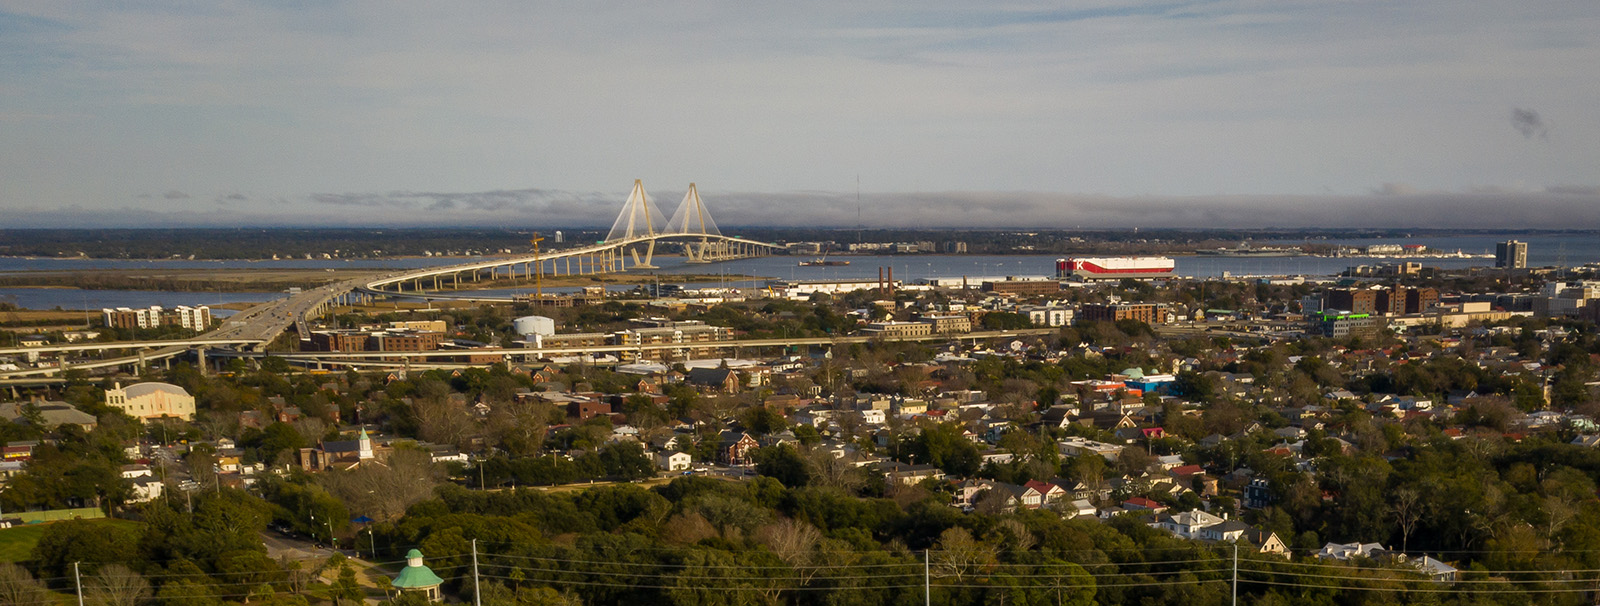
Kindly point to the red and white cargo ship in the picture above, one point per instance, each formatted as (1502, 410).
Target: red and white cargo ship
(1115, 268)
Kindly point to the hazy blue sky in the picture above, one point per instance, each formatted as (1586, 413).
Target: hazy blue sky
(1272, 112)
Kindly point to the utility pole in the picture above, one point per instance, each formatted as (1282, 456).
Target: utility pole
(78, 581)
(477, 596)
(927, 592)
(1235, 574)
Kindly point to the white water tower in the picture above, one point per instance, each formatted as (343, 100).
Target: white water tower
(534, 325)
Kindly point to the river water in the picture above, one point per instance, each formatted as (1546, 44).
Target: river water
(1542, 250)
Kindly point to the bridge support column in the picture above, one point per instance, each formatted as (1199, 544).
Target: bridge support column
(200, 360)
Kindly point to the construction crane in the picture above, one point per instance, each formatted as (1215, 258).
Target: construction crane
(538, 276)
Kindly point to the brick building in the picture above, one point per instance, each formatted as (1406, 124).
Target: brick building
(1149, 313)
(1022, 287)
(1399, 300)
(1419, 300)
(386, 340)
(336, 340)
(1353, 300)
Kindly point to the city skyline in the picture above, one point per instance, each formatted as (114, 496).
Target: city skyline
(1242, 114)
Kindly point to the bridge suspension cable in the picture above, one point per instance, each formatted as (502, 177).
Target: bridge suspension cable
(692, 218)
(639, 217)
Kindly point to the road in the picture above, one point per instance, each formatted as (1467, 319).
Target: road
(395, 357)
(255, 327)
(281, 546)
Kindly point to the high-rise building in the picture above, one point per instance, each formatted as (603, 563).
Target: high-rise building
(1419, 300)
(1149, 313)
(1340, 324)
(1391, 301)
(1353, 300)
(1511, 254)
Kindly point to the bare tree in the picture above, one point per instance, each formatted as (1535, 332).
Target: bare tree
(960, 556)
(993, 501)
(443, 422)
(216, 423)
(117, 585)
(833, 472)
(19, 587)
(1407, 507)
(1559, 510)
(687, 528)
(904, 494)
(520, 426)
(796, 543)
(385, 491)
(1016, 533)
(311, 428)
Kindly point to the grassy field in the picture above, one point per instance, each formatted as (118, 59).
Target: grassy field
(17, 543)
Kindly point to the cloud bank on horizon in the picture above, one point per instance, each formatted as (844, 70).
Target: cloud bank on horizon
(1392, 205)
(1248, 113)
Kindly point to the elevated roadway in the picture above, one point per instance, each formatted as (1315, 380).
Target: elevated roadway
(256, 327)
(253, 328)
(613, 256)
(392, 357)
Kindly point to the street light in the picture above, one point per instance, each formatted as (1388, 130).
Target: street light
(332, 540)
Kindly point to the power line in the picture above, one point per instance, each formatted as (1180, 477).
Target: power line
(665, 565)
(1436, 590)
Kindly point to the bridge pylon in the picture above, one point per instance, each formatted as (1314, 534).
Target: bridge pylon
(639, 219)
(692, 219)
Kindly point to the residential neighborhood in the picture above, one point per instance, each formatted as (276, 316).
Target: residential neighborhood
(1237, 423)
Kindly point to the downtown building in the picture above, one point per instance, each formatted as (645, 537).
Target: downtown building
(1511, 254)
(192, 318)
(1395, 300)
(1149, 313)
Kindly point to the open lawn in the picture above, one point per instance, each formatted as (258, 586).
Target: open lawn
(17, 543)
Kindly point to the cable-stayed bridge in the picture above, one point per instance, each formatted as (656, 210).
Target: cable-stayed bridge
(630, 244)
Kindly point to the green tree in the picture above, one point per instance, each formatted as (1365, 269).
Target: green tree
(782, 463)
(942, 445)
(92, 542)
(279, 438)
(1005, 320)
(345, 588)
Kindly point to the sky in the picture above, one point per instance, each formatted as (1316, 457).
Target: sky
(1245, 113)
